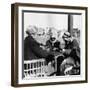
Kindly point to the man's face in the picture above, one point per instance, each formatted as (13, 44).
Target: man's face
(53, 36)
(34, 35)
(41, 37)
(67, 39)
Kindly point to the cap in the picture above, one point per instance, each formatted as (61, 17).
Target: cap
(66, 35)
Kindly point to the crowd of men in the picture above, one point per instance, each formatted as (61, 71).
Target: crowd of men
(64, 50)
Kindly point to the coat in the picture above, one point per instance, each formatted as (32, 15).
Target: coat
(32, 49)
(75, 50)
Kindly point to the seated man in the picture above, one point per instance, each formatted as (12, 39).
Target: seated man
(71, 47)
(32, 49)
(71, 53)
(52, 39)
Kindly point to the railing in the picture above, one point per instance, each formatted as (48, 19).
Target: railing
(38, 68)
(34, 68)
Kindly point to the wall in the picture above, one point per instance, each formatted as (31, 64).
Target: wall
(5, 45)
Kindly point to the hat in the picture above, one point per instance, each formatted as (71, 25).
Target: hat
(66, 35)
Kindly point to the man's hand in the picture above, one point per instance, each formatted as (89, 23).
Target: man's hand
(67, 51)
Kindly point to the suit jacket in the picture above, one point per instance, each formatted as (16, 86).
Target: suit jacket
(32, 49)
(75, 50)
(71, 45)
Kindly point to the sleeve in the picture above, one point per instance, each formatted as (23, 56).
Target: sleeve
(76, 49)
(75, 44)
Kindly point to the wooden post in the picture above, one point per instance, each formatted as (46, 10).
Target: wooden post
(70, 23)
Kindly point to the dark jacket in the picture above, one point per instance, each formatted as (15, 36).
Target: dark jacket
(49, 45)
(32, 49)
(71, 45)
(75, 50)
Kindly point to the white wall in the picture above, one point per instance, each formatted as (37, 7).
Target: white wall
(5, 45)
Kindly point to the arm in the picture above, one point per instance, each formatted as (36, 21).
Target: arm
(75, 44)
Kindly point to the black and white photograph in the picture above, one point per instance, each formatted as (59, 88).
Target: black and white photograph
(51, 44)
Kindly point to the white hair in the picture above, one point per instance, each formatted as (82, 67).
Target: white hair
(31, 30)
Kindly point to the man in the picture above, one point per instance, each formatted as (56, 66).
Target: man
(71, 46)
(32, 49)
(71, 53)
(54, 44)
(52, 39)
